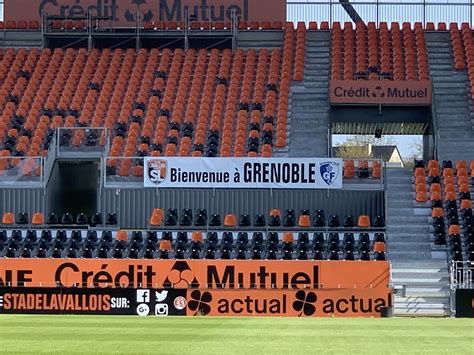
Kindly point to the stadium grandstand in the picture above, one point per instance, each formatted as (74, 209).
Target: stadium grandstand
(185, 147)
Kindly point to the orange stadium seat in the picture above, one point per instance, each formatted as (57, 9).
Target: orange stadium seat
(171, 92)
(8, 218)
(38, 219)
(364, 221)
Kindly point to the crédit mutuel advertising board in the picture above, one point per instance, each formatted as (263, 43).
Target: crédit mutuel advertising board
(243, 173)
(380, 92)
(122, 12)
(195, 287)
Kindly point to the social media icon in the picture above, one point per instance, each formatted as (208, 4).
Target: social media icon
(161, 309)
(143, 310)
(161, 296)
(143, 296)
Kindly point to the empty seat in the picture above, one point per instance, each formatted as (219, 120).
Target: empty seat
(230, 221)
(96, 219)
(364, 241)
(319, 219)
(8, 218)
(244, 220)
(379, 247)
(67, 218)
(364, 221)
(334, 221)
(304, 221)
(289, 220)
(259, 221)
(111, 219)
(333, 241)
(378, 222)
(186, 218)
(349, 221)
(52, 218)
(82, 219)
(22, 218)
(215, 220)
(200, 218)
(38, 219)
(171, 218)
(157, 217)
(275, 218)
(348, 241)
(121, 236)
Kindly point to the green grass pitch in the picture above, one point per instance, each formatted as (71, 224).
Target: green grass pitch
(107, 334)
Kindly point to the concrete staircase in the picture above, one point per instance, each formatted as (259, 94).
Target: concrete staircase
(309, 106)
(451, 100)
(419, 269)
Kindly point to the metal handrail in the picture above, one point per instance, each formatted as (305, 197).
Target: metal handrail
(387, 11)
(461, 274)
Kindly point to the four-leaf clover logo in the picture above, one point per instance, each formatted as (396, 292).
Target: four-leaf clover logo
(199, 302)
(304, 303)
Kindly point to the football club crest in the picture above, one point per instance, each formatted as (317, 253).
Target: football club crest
(157, 171)
(329, 172)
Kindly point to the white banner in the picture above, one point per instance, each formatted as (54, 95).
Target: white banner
(243, 173)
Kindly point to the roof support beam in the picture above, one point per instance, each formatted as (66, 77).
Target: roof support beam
(351, 11)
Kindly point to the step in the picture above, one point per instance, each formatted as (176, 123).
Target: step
(427, 280)
(420, 271)
(419, 245)
(407, 237)
(412, 228)
(420, 312)
(427, 290)
(422, 305)
(407, 219)
(419, 264)
(409, 255)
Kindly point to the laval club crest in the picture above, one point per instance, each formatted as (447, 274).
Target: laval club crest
(157, 170)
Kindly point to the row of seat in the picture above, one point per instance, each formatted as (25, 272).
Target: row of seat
(226, 246)
(202, 25)
(450, 195)
(276, 218)
(67, 219)
(457, 229)
(20, 25)
(462, 42)
(368, 53)
(364, 169)
(447, 185)
(153, 102)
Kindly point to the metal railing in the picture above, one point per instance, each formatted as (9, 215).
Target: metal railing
(122, 172)
(383, 11)
(461, 274)
(82, 142)
(21, 171)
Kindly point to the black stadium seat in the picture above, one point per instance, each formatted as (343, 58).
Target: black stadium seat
(52, 219)
(244, 220)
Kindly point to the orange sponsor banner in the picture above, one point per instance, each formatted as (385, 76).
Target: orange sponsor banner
(123, 11)
(289, 303)
(387, 92)
(204, 274)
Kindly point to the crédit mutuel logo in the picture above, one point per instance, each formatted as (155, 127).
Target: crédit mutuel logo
(181, 276)
(156, 10)
(388, 90)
